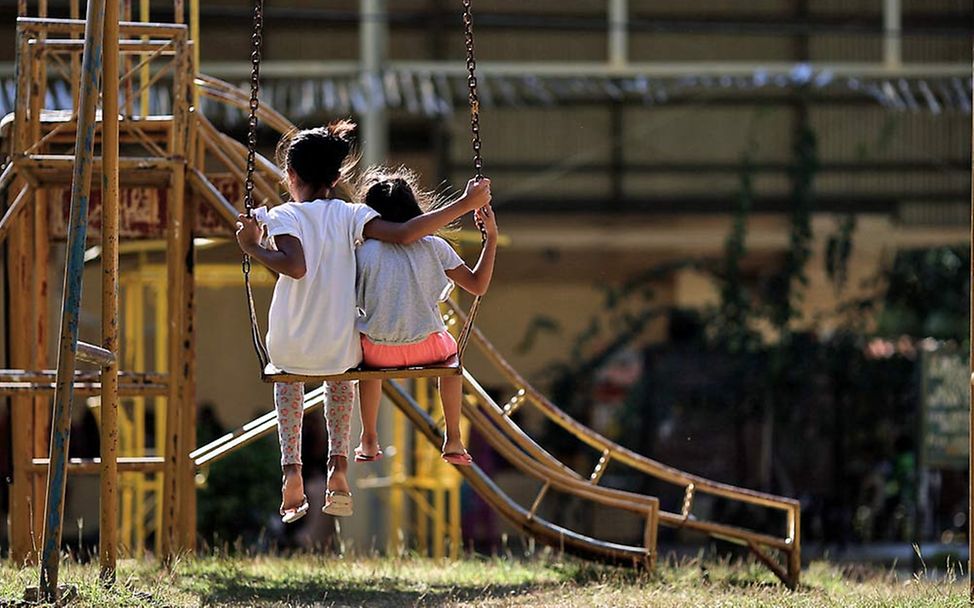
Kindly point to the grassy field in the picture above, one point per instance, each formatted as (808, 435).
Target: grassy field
(538, 582)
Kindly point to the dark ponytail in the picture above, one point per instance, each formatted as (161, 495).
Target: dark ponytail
(318, 156)
(394, 200)
(396, 194)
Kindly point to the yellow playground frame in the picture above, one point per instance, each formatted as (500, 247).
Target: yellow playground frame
(420, 478)
(180, 153)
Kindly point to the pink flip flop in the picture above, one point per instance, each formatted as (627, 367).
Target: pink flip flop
(460, 459)
(289, 516)
(361, 456)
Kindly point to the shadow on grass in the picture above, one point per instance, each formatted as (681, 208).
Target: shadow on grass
(242, 589)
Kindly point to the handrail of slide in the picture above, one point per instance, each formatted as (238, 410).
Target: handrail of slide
(231, 151)
(489, 418)
(789, 544)
(224, 92)
(496, 424)
(525, 518)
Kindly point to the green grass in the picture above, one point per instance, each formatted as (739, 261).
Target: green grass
(538, 582)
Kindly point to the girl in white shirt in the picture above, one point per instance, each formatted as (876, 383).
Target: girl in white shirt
(311, 323)
(399, 290)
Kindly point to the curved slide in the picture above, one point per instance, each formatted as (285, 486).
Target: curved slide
(780, 553)
(495, 424)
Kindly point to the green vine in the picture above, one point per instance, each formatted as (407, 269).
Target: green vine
(838, 250)
(786, 288)
(732, 321)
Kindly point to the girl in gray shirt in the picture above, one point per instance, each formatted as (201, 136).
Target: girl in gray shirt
(399, 288)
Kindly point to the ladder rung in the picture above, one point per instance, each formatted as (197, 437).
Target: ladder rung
(82, 389)
(77, 44)
(92, 466)
(49, 375)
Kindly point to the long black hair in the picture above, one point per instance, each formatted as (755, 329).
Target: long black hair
(394, 200)
(395, 193)
(319, 156)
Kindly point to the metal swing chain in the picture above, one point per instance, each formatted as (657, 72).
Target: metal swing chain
(478, 162)
(255, 56)
(473, 98)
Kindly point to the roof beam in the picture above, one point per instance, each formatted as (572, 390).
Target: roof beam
(599, 69)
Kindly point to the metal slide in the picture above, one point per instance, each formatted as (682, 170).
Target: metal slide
(495, 424)
(780, 553)
(491, 419)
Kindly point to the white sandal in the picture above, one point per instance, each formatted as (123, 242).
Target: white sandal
(337, 504)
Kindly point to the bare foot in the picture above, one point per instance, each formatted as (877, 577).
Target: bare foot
(292, 494)
(453, 445)
(337, 474)
(368, 445)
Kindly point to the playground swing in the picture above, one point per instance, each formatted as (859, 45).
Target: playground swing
(269, 373)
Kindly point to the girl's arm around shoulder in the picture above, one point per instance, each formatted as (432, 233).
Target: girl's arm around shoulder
(477, 281)
(287, 260)
(474, 197)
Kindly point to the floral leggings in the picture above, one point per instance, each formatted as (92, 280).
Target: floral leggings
(340, 398)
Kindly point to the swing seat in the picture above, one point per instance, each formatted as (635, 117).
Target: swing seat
(449, 367)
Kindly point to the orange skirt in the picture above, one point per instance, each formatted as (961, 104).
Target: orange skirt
(437, 347)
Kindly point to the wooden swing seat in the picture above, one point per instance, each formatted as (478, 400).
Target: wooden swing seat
(450, 367)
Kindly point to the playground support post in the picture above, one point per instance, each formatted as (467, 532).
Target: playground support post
(71, 302)
(40, 257)
(970, 428)
(374, 37)
(618, 19)
(178, 497)
(144, 73)
(108, 524)
(74, 11)
(24, 499)
(892, 29)
(194, 36)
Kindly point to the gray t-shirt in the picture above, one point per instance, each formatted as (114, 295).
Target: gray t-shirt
(399, 288)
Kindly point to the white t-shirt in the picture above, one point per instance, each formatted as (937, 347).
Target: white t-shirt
(400, 286)
(311, 323)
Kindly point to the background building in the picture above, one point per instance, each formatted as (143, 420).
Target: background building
(618, 136)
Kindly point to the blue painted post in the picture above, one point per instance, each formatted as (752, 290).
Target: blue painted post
(91, 68)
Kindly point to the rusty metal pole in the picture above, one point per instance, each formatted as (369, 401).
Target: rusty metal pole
(71, 301)
(108, 523)
(74, 11)
(23, 500)
(40, 269)
(127, 66)
(144, 72)
(179, 267)
(970, 428)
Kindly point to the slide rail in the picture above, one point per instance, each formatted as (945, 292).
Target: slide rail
(789, 543)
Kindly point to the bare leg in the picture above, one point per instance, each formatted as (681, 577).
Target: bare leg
(340, 401)
(289, 403)
(451, 392)
(338, 474)
(370, 392)
(293, 491)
